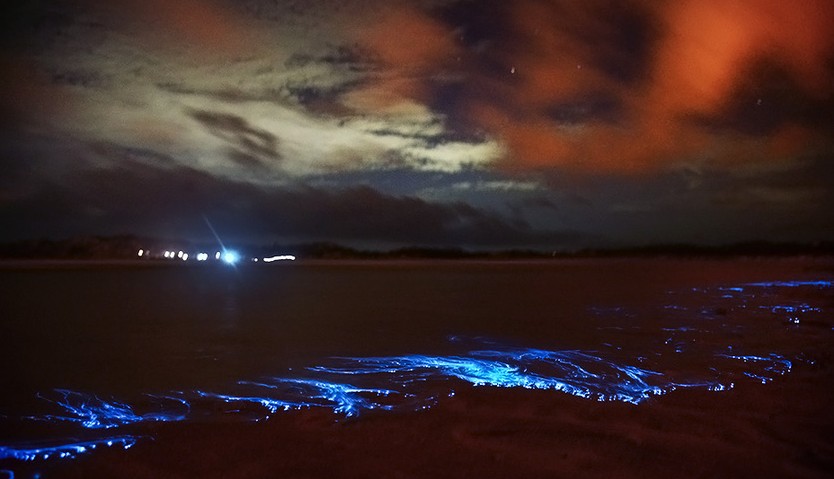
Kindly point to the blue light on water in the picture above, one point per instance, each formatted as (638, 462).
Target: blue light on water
(406, 382)
(792, 284)
(788, 308)
(69, 450)
(573, 372)
(92, 412)
(270, 404)
(773, 363)
(342, 398)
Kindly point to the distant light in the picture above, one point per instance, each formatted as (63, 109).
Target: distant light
(141, 252)
(255, 259)
(230, 257)
(202, 256)
(217, 255)
(179, 254)
(166, 254)
(185, 256)
(286, 257)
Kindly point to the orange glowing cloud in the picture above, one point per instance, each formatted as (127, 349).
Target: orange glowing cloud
(708, 45)
(203, 24)
(694, 66)
(410, 45)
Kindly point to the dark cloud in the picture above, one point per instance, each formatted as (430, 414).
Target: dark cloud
(322, 100)
(770, 99)
(81, 78)
(250, 145)
(144, 199)
(276, 95)
(342, 57)
(111, 152)
(788, 202)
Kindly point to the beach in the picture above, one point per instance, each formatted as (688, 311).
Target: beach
(701, 369)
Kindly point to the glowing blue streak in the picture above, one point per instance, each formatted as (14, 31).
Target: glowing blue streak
(271, 405)
(92, 412)
(792, 284)
(565, 371)
(774, 362)
(342, 398)
(802, 308)
(64, 451)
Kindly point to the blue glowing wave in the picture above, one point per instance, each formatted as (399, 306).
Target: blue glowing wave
(68, 450)
(792, 284)
(92, 412)
(766, 368)
(295, 394)
(390, 383)
(573, 372)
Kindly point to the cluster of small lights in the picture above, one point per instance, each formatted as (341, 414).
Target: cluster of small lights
(227, 256)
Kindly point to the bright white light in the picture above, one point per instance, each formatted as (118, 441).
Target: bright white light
(230, 257)
(217, 255)
(202, 256)
(167, 254)
(185, 256)
(141, 252)
(286, 257)
(179, 254)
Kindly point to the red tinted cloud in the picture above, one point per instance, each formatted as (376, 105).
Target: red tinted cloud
(708, 45)
(409, 44)
(204, 24)
(549, 54)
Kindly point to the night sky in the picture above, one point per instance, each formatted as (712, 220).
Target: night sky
(482, 124)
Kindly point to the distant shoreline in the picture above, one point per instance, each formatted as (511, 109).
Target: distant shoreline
(103, 264)
(131, 250)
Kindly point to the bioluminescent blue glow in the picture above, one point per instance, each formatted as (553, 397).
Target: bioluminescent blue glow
(69, 450)
(408, 382)
(786, 308)
(766, 368)
(792, 284)
(270, 404)
(92, 412)
(573, 372)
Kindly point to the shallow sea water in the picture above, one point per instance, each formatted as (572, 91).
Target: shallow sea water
(419, 369)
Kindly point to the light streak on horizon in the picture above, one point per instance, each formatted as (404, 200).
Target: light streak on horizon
(285, 257)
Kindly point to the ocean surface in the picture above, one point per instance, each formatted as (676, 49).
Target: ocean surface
(701, 368)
